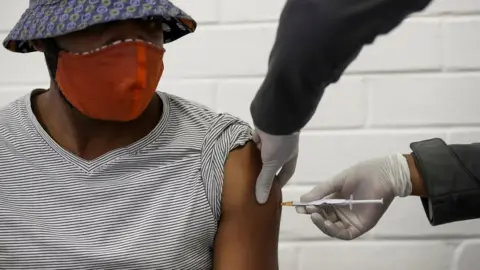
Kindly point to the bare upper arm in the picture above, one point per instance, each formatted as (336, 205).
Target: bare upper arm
(247, 236)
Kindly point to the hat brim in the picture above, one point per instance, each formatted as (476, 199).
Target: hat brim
(48, 21)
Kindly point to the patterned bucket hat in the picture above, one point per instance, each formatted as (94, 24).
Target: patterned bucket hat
(53, 18)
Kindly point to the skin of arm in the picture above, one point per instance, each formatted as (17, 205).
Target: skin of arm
(418, 188)
(248, 232)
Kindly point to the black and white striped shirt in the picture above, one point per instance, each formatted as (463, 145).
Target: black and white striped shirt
(151, 205)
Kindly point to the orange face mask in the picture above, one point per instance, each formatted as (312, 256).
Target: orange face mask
(115, 83)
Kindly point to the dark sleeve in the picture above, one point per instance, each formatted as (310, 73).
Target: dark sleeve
(451, 175)
(315, 42)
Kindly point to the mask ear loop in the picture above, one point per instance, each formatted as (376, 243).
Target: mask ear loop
(51, 57)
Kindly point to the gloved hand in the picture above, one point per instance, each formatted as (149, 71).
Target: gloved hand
(386, 178)
(278, 152)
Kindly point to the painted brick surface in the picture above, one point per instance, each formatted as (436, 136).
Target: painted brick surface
(419, 82)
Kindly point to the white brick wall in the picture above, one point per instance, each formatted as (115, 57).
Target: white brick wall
(419, 82)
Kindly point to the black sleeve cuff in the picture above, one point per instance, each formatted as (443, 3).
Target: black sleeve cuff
(448, 184)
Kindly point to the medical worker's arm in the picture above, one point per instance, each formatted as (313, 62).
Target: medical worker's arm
(316, 41)
(247, 236)
(451, 179)
(445, 177)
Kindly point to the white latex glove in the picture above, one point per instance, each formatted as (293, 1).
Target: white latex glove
(386, 178)
(278, 152)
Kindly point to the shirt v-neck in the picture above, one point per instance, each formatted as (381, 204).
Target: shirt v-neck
(89, 166)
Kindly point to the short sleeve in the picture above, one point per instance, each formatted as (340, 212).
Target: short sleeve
(226, 134)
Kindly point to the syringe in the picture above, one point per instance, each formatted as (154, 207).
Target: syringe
(349, 202)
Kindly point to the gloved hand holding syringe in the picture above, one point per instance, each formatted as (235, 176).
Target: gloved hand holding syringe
(337, 202)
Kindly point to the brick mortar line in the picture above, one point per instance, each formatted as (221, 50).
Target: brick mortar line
(439, 238)
(349, 74)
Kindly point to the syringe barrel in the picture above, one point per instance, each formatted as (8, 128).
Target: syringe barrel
(366, 201)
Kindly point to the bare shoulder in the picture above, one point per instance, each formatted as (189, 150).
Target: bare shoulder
(247, 237)
(242, 168)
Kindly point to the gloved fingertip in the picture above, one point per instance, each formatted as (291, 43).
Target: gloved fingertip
(311, 209)
(317, 216)
(328, 223)
(264, 185)
(262, 192)
(318, 220)
(261, 197)
(301, 210)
